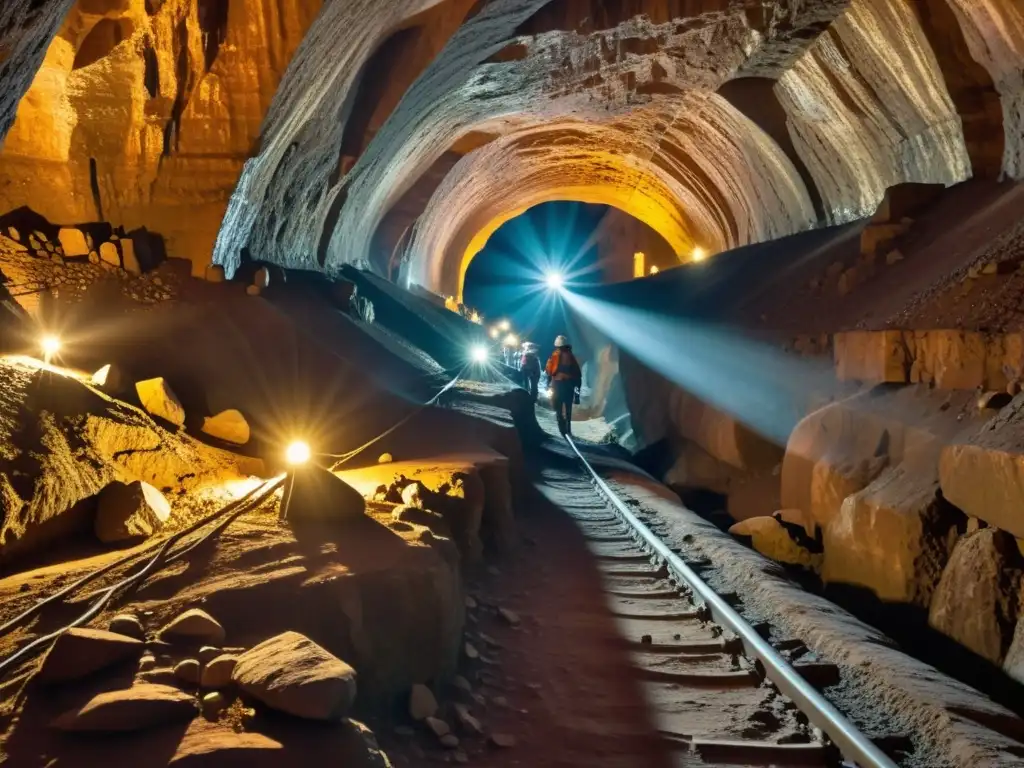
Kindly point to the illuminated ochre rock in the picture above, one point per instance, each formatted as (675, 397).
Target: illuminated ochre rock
(401, 134)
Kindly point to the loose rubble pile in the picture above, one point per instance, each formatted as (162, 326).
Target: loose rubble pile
(133, 680)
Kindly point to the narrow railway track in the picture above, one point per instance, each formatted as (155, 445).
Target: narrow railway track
(720, 693)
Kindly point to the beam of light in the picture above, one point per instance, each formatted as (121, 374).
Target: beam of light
(478, 353)
(554, 280)
(756, 384)
(297, 453)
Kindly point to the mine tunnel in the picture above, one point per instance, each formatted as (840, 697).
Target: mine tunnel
(512, 383)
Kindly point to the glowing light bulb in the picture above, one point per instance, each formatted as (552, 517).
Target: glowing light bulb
(50, 346)
(495, 332)
(478, 353)
(655, 270)
(297, 453)
(511, 340)
(699, 254)
(554, 280)
(504, 325)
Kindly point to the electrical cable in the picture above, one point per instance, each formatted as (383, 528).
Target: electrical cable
(230, 511)
(342, 458)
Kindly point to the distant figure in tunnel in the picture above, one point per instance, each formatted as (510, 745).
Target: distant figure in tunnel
(564, 373)
(529, 369)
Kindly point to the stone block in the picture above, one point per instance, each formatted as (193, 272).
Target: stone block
(984, 474)
(109, 254)
(148, 247)
(129, 259)
(951, 359)
(229, 425)
(878, 356)
(893, 537)
(159, 399)
(978, 598)
(73, 241)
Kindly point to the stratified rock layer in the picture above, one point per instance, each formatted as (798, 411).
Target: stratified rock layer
(146, 116)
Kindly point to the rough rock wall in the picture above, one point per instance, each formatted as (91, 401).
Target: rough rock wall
(26, 28)
(144, 111)
(868, 108)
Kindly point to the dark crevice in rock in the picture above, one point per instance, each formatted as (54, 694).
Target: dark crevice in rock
(970, 87)
(755, 98)
(151, 77)
(94, 185)
(213, 20)
(183, 73)
(330, 222)
(102, 40)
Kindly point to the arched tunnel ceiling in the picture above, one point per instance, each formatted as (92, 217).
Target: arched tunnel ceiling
(314, 134)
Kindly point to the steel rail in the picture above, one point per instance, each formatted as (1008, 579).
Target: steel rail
(853, 744)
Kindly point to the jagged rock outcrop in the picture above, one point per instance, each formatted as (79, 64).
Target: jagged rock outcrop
(142, 113)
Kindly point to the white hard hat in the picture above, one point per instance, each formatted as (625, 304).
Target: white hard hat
(561, 341)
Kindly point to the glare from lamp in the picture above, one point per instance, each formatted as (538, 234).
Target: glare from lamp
(699, 254)
(50, 345)
(511, 340)
(297, 453)
(504, 325)
(655, 270)
(478, 353)
(554, 280)
(475, 317)
(495, 332)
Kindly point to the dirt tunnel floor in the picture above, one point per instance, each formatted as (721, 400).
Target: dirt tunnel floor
(561, 682)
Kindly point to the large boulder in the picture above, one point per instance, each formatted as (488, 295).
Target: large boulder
(894, 537)
(978, 598)
(144, 705)
(130, 511)
(159, 399)
(81, 651)
(984, 474)
(321, 496)
(291, 673)
(229, 425)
